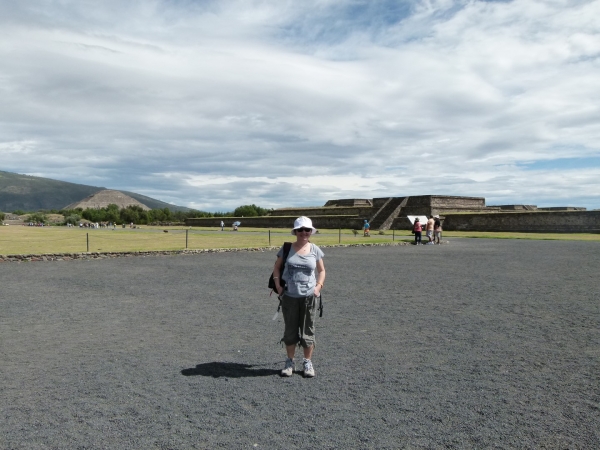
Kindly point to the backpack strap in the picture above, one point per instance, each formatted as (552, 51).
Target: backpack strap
(321, 305)
(287, 246)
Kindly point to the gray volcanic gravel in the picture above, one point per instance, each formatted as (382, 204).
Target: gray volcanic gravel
(474, 344)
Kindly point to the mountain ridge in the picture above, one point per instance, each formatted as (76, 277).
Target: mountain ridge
(31, 193)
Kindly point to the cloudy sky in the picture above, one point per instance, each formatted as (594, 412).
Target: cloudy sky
(215, 104)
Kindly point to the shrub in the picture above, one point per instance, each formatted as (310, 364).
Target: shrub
(250, 211)
(37, 218)
(73, 219)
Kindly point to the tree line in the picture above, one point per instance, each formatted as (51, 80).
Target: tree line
(113, 214)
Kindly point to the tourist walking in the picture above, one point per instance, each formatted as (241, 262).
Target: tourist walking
(417, 230)
(304, 275)
(367, 228)
(437, 230)
(222, 225)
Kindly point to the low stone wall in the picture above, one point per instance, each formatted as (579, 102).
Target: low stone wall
(331, 222)
(101, 255)
(425, 205)
(105, 255)
(516, 207)
(453, 202)
(360, 202)
(563, 208)
(329, 211)
(547, 222)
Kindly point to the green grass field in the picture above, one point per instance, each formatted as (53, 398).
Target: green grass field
(21, 240)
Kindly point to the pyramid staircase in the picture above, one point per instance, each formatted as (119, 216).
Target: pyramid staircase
(384, 217)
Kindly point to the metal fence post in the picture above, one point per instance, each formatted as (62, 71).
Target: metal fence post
(340, 236)
(186, 239)
(269, 238)
(393, 235)
(87, 239)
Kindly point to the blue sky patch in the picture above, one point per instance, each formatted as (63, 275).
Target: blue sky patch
(336, 24)
(562, 164)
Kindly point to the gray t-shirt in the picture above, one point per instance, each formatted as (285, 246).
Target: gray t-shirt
(299, 272)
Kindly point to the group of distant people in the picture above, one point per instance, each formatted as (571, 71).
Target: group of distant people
(234, 226)
(96, 225)
(433, 230)
(92, 225)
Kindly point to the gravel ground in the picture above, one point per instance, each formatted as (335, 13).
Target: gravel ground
(475, 344)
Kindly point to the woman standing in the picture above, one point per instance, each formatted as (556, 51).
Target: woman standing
(304, 275)
(417, 229)
(437, 230)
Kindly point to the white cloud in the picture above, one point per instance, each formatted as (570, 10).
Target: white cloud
(287, 103)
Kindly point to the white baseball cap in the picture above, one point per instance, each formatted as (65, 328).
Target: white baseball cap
(303, 222)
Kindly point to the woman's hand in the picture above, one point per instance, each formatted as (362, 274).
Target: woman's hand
(279, 289)
(318, 290)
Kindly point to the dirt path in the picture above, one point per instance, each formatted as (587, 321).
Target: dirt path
(475, 344)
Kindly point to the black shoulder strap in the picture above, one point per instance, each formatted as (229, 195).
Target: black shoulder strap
(287, 246)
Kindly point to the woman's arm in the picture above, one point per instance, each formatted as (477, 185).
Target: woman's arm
(277, 275)
(320, 277)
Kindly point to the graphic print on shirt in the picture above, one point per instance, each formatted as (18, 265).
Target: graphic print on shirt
(299, 272)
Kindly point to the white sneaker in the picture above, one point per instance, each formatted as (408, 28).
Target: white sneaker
(309, 370)
(288, 370)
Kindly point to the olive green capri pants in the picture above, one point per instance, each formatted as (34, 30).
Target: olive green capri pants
(299, 315)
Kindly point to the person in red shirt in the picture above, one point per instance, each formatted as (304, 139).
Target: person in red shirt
(418, 231)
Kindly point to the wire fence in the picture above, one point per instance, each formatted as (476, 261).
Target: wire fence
(50, 240)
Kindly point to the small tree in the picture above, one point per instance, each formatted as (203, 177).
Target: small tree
(112, 216)
(73, 219)
(131, 214)
(143, 217)
(94, 214)
(2, 216)
(250, 211)
(37, 218)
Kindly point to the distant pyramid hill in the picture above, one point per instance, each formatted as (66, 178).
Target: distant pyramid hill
(28, 193)
(153, 203)
(104, 198)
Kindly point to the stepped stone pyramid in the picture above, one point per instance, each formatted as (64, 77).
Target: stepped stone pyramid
(102, 199)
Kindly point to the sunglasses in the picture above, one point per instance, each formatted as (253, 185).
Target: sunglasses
(306, 230)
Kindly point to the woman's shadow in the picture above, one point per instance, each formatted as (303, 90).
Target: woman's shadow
(229, 370)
